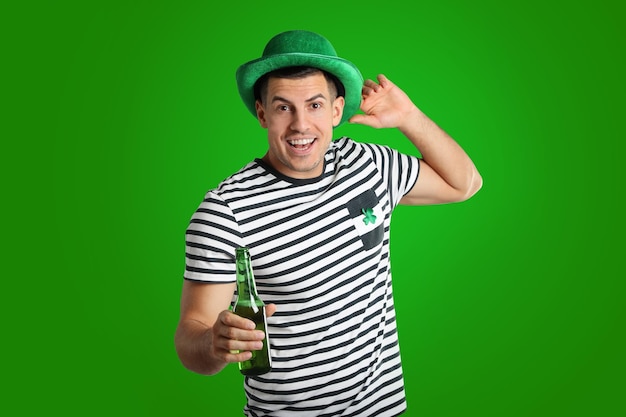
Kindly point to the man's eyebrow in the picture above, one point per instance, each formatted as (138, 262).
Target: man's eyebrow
(315, 97)
(279, 98)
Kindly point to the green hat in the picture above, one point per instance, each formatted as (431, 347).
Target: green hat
(301, 48)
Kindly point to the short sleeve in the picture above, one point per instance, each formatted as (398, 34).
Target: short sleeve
(400, 171)
(210, 242)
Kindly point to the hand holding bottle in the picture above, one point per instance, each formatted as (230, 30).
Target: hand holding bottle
(235, 337)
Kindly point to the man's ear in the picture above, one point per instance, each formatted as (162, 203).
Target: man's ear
(260, 113)
(338, 105)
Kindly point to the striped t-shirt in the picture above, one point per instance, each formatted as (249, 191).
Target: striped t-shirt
(320, 252)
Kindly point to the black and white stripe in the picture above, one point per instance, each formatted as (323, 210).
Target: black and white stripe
(333, 337)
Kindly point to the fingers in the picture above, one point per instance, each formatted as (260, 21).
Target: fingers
(235, 329)
(230, 319)
(363, 119)
(234, 337)
(270, 309)
(371, 86)
(383, 81)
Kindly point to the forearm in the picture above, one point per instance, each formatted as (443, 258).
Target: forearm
(442, 153)
(193, 341)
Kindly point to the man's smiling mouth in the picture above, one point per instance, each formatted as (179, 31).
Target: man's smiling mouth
(301, 143)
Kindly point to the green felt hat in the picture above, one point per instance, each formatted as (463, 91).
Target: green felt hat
(301, 48)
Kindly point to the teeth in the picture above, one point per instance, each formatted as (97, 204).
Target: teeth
(300, 142)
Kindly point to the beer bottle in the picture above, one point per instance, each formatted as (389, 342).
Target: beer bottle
(249, 305)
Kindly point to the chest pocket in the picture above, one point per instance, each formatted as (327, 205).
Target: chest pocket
(368, 218)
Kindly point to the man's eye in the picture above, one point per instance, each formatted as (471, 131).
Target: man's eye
(283, 107)
(316, 105)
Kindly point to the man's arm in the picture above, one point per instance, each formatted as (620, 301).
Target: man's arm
(447, 174)
(208, 334)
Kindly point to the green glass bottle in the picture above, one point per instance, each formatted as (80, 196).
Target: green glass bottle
(249, 305)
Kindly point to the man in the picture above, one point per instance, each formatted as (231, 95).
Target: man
(315, 214)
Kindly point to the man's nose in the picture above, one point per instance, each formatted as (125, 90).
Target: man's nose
(299, 122)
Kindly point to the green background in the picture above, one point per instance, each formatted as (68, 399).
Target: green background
(119, 116)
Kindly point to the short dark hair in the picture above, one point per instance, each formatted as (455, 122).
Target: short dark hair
(260, 87)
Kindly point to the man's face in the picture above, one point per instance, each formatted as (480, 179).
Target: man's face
(299, 115)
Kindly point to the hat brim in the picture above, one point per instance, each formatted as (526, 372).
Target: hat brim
(349, 75)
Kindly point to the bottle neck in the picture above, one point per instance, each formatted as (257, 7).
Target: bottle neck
(246, 287)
